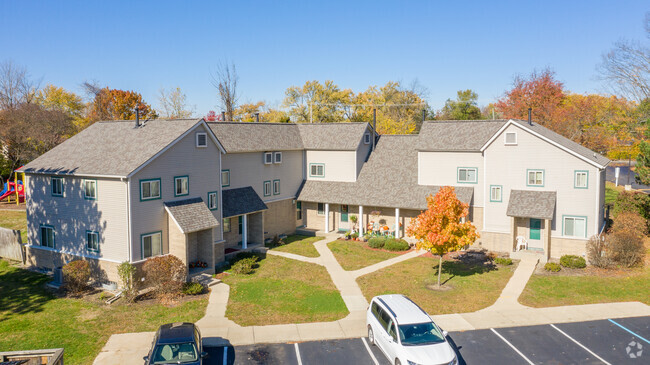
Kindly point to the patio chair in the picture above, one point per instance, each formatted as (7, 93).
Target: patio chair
(522, 244)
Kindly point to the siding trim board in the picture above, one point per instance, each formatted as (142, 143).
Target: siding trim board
(159, 189)
(94, 257)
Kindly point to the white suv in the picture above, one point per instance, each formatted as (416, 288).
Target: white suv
(406, 334)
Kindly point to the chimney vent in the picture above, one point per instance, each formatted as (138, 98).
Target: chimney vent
(530, 118)
(374, 128)
(137, 115)
(424, 114)
(223, 116)
(257, 117)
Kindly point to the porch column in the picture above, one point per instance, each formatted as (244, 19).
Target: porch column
(327, 217)
(396, 222)
(547, 238)
(244, 231)
(362, 228)
(513, 234)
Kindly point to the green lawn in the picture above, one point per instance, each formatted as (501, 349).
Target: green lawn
(611, 192)
(471, 287)
(32, 318)
(15, 219)
(300, 245)
(283, 291)
(353, 255)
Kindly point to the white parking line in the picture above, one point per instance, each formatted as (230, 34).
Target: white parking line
(579, 344)
(298, 353)
(372, 356)
(514, 348)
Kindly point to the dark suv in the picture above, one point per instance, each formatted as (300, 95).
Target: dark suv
(176, 343)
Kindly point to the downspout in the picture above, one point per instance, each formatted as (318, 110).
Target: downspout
(128, 218)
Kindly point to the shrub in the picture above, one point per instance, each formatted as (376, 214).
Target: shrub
(631, 222)
(376, 242)
(244, 266)
(193, 288)
(573, 261)
(503, 261)
(597, 253)
(165, 274)
(632, 201)
(76, 275)
(126, 272)
(394, 244)
(354, 235)
(244, 255)
(625, 248)
(552, 267)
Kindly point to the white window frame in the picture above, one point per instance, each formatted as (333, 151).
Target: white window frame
(149, 181)
(277, 157)
(575, 179)
(276, 184)
(497, 188)
(60, 183)
(88, 241)
(151, 235)
(466, 181)
(198, 136)
(366, 138)
(176, 179)
(535, 171)
(318, 210)
(227, 225)
(43, 237)
(317, 165)
(267, 188)
(268, 158)
(227, 172)
(505, 139)
(213, 202)
(86, 196)
(574, 218)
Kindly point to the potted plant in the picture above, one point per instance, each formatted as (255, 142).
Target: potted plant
(354, 220)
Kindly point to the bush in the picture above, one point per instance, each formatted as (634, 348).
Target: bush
(573, 261)
(244, 266)
(394, 244)
(625, 248)
(552, 267)
(634, 202)
(165, 274)
(631, 222)
(503, 261)
(126, 272)
(597, 253)
(244, 255)
(376, 242)
(193, 288)
(354, 235)
(76, 275)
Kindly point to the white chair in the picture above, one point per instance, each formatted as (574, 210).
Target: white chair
(521, 243)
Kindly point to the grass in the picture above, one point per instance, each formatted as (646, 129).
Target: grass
(300, 245)
(283, 291)
(31, 317)
(354, 255)
(468, 288)
(15, 219)
(611, 192)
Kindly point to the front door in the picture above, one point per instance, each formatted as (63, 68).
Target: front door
(344, 217)
(535, 234)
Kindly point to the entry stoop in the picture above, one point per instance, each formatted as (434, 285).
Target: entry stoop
(534, 254)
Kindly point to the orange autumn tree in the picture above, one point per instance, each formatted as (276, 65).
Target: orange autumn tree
(441, 228)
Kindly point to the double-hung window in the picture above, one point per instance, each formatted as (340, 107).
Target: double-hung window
(92, 241)
(225, 178)
(47, 236)
(212, 200)
(317, 170)
(468, 175)
(267, 188)
(496, 193)
(57, 186)
(151, 244)
(277, 157)
(268, 158)
(575, 226)
(276, 187)
(535, 178)
(226, 225)
(581, 180)
(150, 189)
(90, 189)
(181, 185)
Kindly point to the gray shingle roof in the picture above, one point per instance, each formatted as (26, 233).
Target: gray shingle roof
(332, 136)
(113, 148)
(256, 137)
(191, 215)
(241, 201)
(388, 179)
(531, 204)
(457, 135)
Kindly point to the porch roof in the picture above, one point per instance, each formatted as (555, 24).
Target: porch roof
(531, 204)
(241, 201)
(191, 215)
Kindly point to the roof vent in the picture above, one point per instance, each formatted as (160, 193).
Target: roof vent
(530, 117)
(137, 115)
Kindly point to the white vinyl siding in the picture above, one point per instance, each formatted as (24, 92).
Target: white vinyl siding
(575, 227)
(152, 245)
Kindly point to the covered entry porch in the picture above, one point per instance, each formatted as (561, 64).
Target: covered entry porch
(243, 219)
(531, 214)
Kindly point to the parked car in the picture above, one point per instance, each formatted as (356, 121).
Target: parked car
(406, 334)
(176, 343)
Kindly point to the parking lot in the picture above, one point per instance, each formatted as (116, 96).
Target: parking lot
(619, 341)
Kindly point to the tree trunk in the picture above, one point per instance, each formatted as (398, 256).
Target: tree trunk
(439, 269)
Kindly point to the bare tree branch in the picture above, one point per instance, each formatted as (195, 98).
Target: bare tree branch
(225, 81)
(16, 86)
(174, 104)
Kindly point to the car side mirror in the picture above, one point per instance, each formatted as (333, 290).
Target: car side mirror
(445, 333)
(204, 355)
(145, 358)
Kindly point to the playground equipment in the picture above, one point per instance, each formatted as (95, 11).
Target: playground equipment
(15, 188)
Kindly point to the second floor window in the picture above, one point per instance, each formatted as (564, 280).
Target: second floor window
(150, 189)
(226, 225)
(268, 158)
(495, 193)
(225, 178)
(181, 185)
(467, 174)
(535, 177)
(267, 188)
(57, 186)
(276, 187)
(581, 179)
(212, 200)
(90, 189)
(317, 170)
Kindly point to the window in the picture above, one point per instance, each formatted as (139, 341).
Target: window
(535, 178)
(212, 200)
(241, 224)
(225, 178)
(149, 189)
(151, 244)
(181, 185)
(92, 241)
(316, 170)
(57, 186)
(226, 225)
(496, 193)
(277, 157)
(90, 189)
(366, 138)
(276, 187)
(298, 211)
(47, 236)
(321, 209)
(468, 175)
(511, 138)
(581, 180)
(267, 188)
(201, 140)
(268, 158)
(575, 226)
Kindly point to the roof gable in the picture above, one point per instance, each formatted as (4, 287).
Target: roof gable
(457, 135)
(332, 136)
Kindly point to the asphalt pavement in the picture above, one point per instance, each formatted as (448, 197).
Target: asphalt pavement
(625, 177)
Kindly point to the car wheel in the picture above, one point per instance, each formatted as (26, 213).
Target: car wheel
(371, 336)
(397, 362)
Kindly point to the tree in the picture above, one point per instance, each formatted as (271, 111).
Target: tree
(316, 102)
(465, 107)
(16, 87)
(225, 81)
(173, 104)
(114, 104)
(643, 164)
(246, 113)
(57, 98)
(442, 227)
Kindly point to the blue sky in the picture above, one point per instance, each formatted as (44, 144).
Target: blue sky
(445, 45)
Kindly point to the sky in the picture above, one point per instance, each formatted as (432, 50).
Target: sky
(445, 45)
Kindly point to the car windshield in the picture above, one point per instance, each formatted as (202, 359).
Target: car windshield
(420, 334)
(176, 353)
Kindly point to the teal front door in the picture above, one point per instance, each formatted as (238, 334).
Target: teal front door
(344, 213)
(535, 229)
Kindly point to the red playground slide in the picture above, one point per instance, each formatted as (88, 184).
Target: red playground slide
(11, 191)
